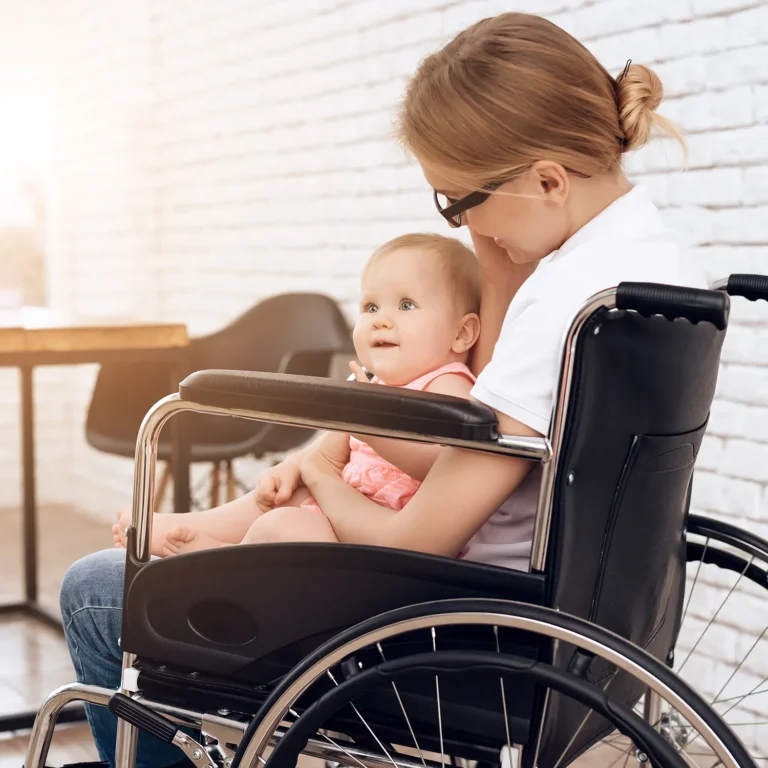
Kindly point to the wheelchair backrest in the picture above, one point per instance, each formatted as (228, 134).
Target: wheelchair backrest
(640, 395)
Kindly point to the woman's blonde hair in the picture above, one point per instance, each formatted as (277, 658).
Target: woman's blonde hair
(516, 88)
(458, 261)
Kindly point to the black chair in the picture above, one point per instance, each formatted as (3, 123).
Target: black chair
(350, 651)
(292, 333)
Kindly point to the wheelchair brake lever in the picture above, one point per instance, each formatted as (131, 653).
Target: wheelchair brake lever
(148, 720)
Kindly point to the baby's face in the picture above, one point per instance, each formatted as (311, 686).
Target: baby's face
(408, 317)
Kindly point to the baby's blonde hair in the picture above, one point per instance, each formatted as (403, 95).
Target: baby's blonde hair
(458, 261)
(516, 88)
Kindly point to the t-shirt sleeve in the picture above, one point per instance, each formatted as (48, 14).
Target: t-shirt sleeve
(521, 379)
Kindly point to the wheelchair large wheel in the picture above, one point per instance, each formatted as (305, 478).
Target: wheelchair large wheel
(455, 681)
(722, 648)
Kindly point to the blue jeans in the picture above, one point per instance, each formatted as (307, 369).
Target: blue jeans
(91, 606)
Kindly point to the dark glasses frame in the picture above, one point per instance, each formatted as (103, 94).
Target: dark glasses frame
(452, 213)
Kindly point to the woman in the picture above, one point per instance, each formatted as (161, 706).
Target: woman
(520, 133)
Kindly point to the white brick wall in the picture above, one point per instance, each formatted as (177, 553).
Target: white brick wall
(214, 152)
(211, 154)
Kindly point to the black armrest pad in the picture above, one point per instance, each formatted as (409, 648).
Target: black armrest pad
(349, 403)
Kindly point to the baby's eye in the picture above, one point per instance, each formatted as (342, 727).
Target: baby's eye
(407, 304)
(370, 308)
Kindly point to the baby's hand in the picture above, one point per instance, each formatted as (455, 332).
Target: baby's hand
(276, 485)
(358, 372)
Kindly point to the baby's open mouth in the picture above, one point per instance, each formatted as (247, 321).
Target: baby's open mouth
(384, 344)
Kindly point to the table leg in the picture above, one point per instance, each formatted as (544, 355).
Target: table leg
(28, 470)
(180, 452)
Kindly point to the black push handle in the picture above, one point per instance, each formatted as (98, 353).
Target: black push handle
(674, 302)
(142, 717)
(752, 287)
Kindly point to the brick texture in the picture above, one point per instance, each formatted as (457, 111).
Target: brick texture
(210, 154)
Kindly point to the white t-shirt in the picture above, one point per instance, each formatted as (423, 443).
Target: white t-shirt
(626, 242)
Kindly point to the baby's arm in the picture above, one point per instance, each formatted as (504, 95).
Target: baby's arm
(416, 459)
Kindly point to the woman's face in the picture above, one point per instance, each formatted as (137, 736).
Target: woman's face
(527, 216)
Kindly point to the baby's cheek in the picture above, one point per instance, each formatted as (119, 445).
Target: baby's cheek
(358, 338)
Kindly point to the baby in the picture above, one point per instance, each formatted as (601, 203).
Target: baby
(419, 318)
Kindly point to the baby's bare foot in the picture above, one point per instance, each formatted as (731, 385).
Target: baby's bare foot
(182, 540)
(162, 524)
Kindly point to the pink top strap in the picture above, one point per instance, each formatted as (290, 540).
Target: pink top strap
(423, 381)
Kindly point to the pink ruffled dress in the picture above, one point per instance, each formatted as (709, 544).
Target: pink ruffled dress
(376, 478)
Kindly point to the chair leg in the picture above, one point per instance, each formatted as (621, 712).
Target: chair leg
(215, 484)
(162, 487)
(231, 482)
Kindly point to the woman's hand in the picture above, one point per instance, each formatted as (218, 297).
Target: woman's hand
(502, 279)
(496, 264)
(327, 458)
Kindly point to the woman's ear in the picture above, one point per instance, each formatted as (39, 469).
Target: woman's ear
(552, 181)
(468, 333)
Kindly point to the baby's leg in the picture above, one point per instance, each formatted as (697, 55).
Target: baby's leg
(183, 539)
(227, 523)
(291, 524)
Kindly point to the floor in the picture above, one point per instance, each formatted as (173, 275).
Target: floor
(34, 658)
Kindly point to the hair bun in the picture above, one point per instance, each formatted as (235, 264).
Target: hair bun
(638, 92)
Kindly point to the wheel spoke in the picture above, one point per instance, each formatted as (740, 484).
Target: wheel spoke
(753, 692)
(695, 579)
(365, 723)
(405, 714)
(740, 665)
(626, 752)
(717, 612)
(439, 709)
(733, 706)
(504, 699)
(688, 757)
(579, 729)
(341, 748)
(611, 744)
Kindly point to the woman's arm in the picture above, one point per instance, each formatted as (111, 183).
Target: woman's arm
(461, 492)
(502, 279)
(416, 459)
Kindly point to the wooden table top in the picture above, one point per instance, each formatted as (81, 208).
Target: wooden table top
(83, 339)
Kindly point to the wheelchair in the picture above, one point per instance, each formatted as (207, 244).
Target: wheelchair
(375, 658)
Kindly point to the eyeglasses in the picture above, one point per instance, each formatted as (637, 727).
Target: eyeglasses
(451, 208)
